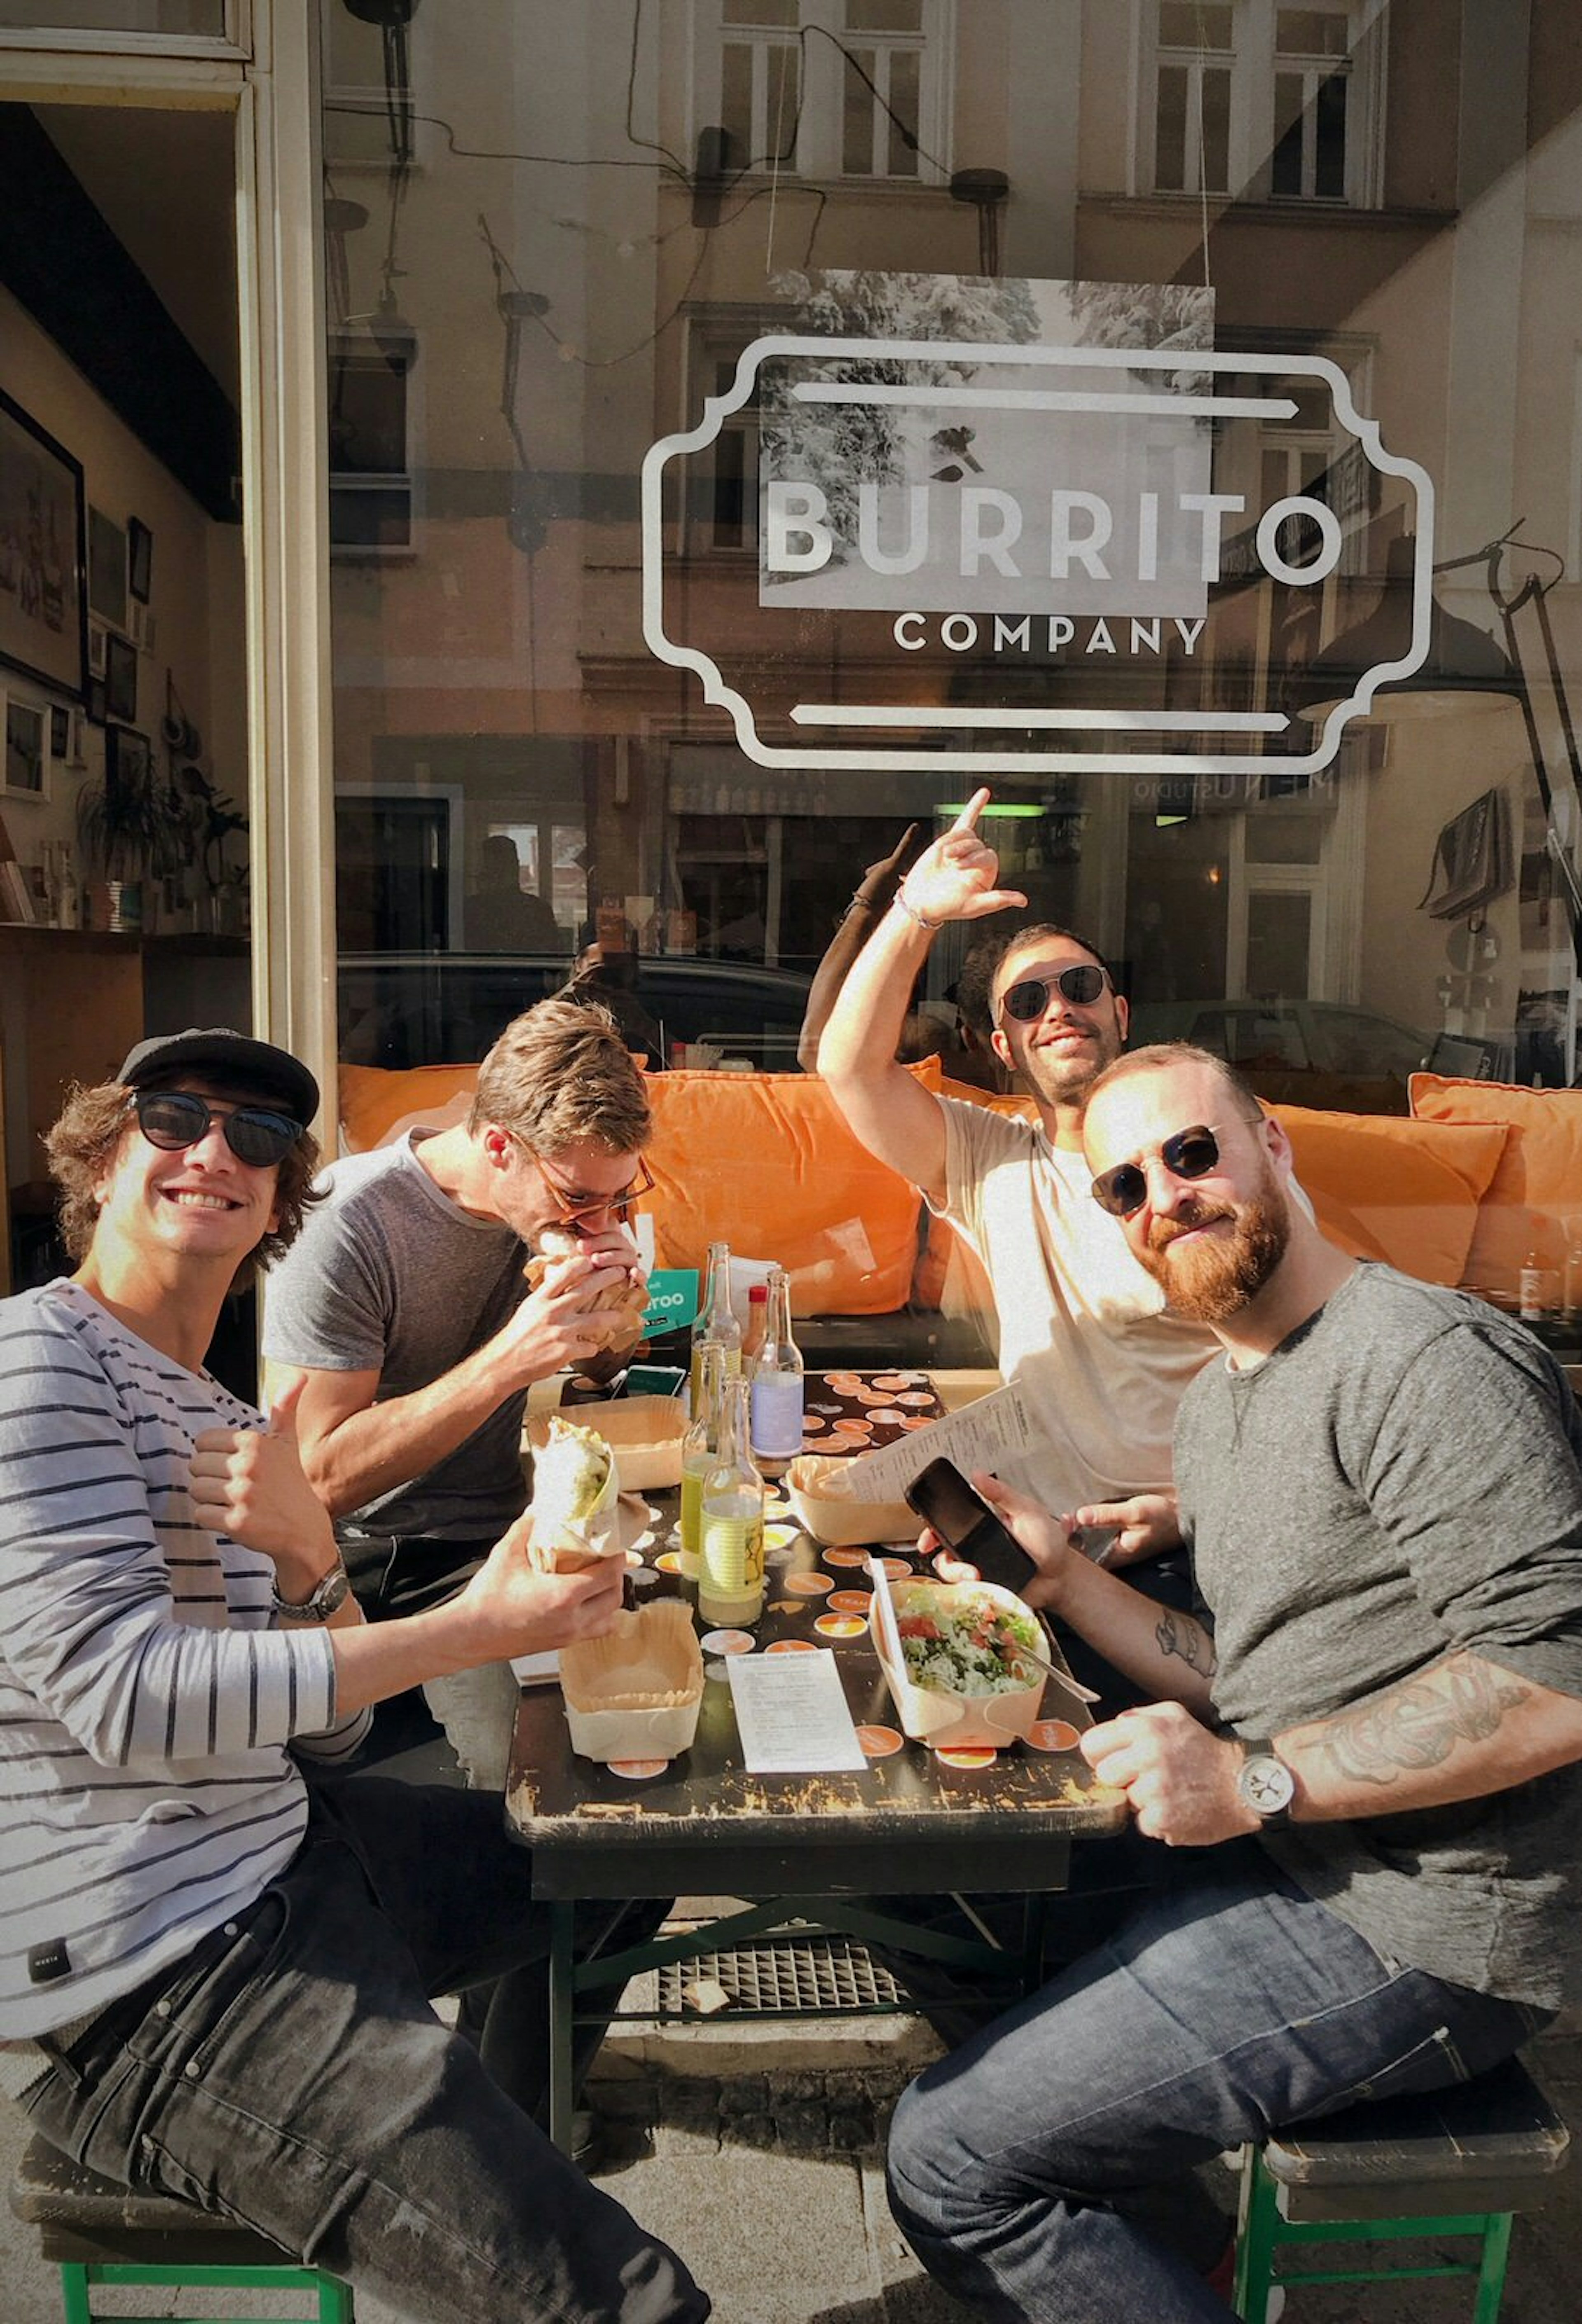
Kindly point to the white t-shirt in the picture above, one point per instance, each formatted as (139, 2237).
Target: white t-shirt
(1082, 1326)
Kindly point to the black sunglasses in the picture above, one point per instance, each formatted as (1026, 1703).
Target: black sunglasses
(173, 1119)
(1027, 1000)
(1190, 1154)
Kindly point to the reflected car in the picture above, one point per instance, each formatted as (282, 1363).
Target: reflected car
(404, 1009)
(1321, 1053)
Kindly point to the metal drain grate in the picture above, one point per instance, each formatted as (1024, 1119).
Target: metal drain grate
(826, 1974)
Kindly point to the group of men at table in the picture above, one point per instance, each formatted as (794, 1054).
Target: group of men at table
(1351, 1758)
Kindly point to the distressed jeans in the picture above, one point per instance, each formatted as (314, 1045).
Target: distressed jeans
(290, 2074)
(1229, 2004)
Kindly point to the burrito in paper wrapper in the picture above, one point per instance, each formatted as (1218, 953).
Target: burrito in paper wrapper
(630, 1300)
(575, 1521)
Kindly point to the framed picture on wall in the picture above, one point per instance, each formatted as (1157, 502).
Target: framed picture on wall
(43, 610)
(27, 748)
(121, 678)
(139, 559)
(60, 732)
(107, 568)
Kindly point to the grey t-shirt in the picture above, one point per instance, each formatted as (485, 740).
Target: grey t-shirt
(1401, 1479)
(390, 1275)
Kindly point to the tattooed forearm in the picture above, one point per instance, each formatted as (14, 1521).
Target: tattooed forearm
(1419, 1723)
(1179, 1634)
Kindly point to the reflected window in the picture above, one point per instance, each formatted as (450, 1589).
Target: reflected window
(851, 88)
(370, 463)
(166, 19)
(1253, 99)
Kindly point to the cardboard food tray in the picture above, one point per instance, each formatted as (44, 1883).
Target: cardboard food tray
(937, 1715)
(635, 1693)
(836, 1518)
(643, 1431)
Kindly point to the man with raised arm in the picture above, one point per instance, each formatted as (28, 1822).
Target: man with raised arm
(405, 1316)
(1081, 1325)
(215, 1974)
(1369, 1741)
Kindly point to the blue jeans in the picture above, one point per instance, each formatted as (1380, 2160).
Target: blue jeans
(1229, 2004)
(290, 2074)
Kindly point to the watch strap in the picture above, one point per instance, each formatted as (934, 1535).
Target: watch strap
(328, 1592)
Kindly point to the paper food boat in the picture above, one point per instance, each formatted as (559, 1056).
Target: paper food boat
(643, 1431)
(819, 1487)
(634, 1694)
(936, 1715)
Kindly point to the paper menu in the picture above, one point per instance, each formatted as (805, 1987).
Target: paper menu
(792, 1715)
(982, 1435)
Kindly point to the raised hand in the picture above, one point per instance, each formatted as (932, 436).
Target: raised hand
(956, 877)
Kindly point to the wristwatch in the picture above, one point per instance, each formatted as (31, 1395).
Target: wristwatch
(1264, 1783)
(327, 1593)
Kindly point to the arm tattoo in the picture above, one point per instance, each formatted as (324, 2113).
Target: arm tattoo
(1177, 1634)
(1419, 1723)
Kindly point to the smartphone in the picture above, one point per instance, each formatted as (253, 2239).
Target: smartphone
(965, 1522)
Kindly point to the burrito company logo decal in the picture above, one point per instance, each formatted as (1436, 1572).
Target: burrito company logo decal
(987, 558)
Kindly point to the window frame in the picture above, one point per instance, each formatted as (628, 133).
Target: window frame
(1253, 59)
(822, 36)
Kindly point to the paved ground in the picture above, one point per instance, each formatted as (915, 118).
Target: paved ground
(756, 2150)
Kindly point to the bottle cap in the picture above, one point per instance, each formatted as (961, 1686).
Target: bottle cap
(757, 1294)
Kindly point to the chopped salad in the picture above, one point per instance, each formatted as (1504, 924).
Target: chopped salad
(964, 1642)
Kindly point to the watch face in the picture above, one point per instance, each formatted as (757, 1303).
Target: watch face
(1267, 1785)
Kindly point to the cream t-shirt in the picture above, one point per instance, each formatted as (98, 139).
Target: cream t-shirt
(1082, 1326)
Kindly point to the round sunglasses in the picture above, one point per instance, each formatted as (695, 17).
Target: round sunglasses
(1027, 1000)
(173, 1119)
(1190, 1154)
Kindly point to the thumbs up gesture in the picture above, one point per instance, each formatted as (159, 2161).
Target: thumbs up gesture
(248, 1483)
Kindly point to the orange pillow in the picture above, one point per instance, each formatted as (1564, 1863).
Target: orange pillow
(766, 1163)
(1538, 1186)
(376, 1104)
(1385, 1187)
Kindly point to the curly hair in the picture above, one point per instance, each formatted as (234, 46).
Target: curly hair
(83, 1139)
(560, 1075)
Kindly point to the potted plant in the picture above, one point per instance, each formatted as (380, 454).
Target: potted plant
(121, 824)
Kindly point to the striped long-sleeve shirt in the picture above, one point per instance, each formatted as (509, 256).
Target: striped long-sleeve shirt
(147, 1791)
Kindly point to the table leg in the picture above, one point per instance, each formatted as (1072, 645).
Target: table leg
(562, 2006)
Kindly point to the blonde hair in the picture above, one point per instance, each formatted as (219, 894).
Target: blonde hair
(560, 1075)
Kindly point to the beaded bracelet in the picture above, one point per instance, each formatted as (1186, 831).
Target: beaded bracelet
(933, 927)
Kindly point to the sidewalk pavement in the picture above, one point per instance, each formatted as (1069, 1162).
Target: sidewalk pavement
(756, 2150)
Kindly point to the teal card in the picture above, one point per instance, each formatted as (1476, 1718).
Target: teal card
(673, 1299)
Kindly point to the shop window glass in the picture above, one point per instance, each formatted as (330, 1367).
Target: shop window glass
(370, 481)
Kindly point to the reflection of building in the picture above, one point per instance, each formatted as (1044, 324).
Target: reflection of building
(542, 236)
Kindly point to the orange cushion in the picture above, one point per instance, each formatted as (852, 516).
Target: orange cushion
(762, 1161)
(766, 1163)
(376, 1104)
(1385, 1187)
(1538, 1186)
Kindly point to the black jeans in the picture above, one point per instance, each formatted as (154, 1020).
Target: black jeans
(290, 2073)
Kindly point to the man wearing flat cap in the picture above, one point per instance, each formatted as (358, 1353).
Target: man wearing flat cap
(215, 1969)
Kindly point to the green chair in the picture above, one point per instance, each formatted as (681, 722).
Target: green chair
(101, 2234)
(1453, 2163)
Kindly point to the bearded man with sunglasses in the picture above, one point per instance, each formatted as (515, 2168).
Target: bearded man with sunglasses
(215, 1971)
(405, 1314)
(1367, 1747)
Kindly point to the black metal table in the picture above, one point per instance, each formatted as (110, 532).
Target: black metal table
(797, 1845)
